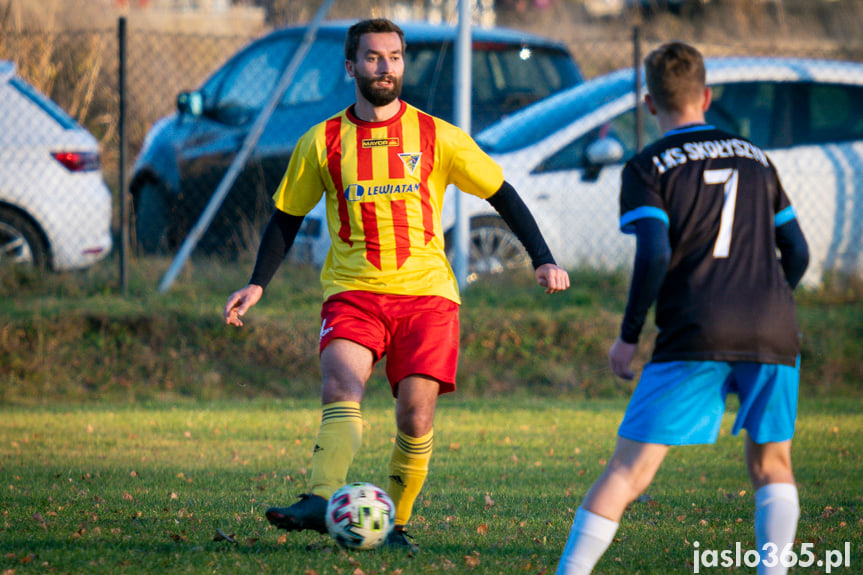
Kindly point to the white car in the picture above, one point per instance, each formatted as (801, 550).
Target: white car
(55, 209)
(564, 156)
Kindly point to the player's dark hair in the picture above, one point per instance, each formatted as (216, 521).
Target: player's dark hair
(675, 75)
(371, 26)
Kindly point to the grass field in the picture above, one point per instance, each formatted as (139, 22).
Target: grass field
(144, 488)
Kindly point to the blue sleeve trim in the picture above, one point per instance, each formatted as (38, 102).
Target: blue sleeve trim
(639, 213)
(784, 216)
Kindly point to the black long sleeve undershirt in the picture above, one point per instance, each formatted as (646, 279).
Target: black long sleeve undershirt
(278, 237)
(794, 251)
(652, 255)
(511, 208)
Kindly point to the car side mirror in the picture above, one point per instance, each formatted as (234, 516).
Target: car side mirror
(600, 153)
(604, 151)
(191, 103)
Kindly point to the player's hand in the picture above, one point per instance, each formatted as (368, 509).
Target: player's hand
(620, 358)
(552, 278)
(239, 303)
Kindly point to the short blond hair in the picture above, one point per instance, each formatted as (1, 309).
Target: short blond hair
(675, 76)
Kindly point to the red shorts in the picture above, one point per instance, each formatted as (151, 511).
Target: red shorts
(418, 334)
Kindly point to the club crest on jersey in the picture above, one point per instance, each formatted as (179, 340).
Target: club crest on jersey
(380, 142)
(411, 161)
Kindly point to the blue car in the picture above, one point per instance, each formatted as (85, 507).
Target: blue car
(185, 155)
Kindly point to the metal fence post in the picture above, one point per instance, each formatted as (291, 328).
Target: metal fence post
(462, 107)
(124, 146)
(639, 110)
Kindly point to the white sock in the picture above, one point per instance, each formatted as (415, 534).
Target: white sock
(588, 539)
(777, 509)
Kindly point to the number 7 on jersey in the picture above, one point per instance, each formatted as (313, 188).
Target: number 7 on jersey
(728, 177)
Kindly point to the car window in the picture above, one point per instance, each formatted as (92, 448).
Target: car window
(505, 78)
(424, 68)
(621, 128)
(318, 75)
(746, 109)
(244, 87)
(835, 113)
(516, 71)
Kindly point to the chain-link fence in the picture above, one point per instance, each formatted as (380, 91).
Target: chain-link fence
(175, 162)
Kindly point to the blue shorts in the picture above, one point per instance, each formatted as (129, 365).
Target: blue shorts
(682, 402)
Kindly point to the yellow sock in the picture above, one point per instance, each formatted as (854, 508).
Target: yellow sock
(339, 439)
(409, 466)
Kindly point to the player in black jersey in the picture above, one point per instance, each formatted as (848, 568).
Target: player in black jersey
(708, 212)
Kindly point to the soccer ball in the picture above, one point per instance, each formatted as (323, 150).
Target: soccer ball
(360, 516)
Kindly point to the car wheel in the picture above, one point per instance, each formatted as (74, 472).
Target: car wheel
(494, 248)
(151, 228)
(21, 243)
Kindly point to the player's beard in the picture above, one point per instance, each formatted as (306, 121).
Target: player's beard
(379, 96)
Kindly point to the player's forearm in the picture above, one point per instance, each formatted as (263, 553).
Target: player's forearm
(276, 241)
(652, 254)
(511, 208)
(794, 251)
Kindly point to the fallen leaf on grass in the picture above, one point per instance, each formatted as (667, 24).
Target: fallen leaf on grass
(29, 558)
(222, 536)
(37, 517)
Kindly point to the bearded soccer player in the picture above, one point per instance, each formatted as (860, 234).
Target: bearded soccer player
(383, 167)
(708, 213)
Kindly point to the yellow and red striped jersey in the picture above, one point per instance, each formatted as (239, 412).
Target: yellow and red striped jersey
(384, 184)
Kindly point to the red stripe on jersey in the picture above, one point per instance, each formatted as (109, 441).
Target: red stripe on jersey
(365, 168)
(334, 165)
(370, 228)
(397, 167)
(401, 229)
(427, 147)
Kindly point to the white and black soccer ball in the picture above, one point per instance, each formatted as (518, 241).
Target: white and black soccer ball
(360, 516)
